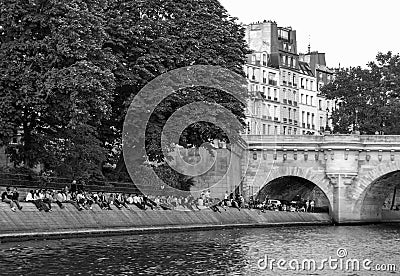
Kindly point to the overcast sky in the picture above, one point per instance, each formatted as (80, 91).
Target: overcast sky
(350, 32)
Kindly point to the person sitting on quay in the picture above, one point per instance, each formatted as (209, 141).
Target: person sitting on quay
(89, 200)
(103, 201)
(34, 197)
(6, 197)
(15, 198)
(80, 200)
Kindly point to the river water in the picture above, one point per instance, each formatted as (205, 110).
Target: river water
(222, 252)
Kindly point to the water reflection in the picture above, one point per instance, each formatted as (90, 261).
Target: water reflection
(223, 252)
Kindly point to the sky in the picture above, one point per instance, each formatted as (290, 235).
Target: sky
(349, 32)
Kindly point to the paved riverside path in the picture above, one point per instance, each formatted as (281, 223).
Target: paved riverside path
(29, 223)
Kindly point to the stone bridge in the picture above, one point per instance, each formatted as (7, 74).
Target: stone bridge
(356, 173)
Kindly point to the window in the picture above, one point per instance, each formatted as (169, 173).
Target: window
(264, 129)
(284, 93)
(276, 130)
(301, 98)
(269, 92)
(269, 129)
(253, 59)
(283, 34)
(290, 48)
(312, 85)
(294, 62)
(320, 104)
(307, 87)
(264, 59)
(275, 93)
(306, 99)
(294, 78)
(311, 100)
(302, 116)
(275, 110)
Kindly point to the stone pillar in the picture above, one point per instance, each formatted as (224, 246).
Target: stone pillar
(342, 205)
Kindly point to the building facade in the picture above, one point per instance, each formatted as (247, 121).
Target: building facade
(284, 85)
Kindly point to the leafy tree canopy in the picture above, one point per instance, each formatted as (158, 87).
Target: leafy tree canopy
(368, 99)
(70, 69)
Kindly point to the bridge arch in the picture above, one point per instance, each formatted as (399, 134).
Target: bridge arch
(317, 178)
(373, 188)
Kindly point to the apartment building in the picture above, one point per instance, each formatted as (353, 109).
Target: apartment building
(284, 85)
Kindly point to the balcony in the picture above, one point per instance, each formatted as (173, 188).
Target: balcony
(285, 120)
(275, 99)
(269, 118)
(272, 82)
(276, 119)
(290, 102)
(296, 123)
(295, 103)
(284, 101)
(290, 121)
(269, 97)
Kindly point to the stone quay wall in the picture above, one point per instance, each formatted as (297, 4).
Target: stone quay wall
(29, 223)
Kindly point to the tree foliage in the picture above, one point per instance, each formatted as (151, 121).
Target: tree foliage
(368, 98)
(69, 70)
(56, 82)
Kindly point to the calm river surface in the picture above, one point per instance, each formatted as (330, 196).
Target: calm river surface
(222, 252)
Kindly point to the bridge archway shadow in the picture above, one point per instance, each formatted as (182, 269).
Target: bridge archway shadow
(375, 203)
(293, 188)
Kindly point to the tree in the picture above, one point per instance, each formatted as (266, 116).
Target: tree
(152, 37)
(56, 83)
(368, 98)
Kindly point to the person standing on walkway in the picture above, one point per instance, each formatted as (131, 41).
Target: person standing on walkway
(308, 205)
(312, 205)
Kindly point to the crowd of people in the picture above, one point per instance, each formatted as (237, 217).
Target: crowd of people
(44, 200)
